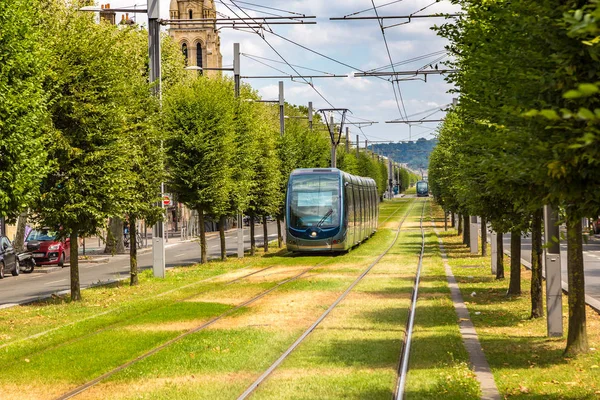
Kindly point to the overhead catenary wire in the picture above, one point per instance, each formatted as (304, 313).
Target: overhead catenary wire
(256, 58)
(410, 60)
(387, 47)
(278, 54)
(369, 9)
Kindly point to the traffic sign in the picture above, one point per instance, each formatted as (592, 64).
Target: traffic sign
(167, 200)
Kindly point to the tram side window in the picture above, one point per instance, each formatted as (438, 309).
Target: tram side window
(368, 201)
(357, 205)
(350, 206)
(364, 204)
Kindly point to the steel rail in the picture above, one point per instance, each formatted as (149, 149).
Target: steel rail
(116, 323)
(405, 354)
(82, 388)
(306, 333)
(40, 334)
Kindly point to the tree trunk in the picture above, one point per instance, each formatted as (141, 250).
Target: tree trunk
(537, 299)
(453, 219)
(265, 234)
(279, 235)
(460, 226)
(19, 241)
(114, 237)
(466, 230)
(222, 237)
(577, 336)
(133, 266)
(252, 238)
(514, 287)
(499, 256)
(74, 255)
(445, 220)
(203, 257)
(483, 237)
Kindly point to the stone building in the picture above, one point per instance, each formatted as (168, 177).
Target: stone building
(200, 44)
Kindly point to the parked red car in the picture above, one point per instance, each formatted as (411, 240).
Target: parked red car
(46, 248)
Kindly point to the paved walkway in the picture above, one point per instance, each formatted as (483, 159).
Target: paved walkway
(482, 370)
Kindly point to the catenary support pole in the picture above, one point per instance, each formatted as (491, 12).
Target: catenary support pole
(553, 273)
(310, 115)
(333, 144)
(347, 140)
(237, 83)
(357, 147)
(391, 178)
(281, 109)
(474, 235)
(158, 241)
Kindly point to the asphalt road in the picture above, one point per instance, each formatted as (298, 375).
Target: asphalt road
(591, 259)
(28, 287)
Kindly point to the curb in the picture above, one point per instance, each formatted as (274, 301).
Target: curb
(45, 270)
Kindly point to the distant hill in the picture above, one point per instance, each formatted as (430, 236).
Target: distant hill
(415, 154)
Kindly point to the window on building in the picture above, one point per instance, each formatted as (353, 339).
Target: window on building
(199, 55)
(184, 50)
(191, 14)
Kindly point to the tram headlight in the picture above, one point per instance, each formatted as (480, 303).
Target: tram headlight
(313, 234)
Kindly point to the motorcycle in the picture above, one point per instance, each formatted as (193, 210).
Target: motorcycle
(26, 262)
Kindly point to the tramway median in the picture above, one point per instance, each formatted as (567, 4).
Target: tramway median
(524, 361)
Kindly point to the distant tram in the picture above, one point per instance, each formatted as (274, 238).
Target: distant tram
(328, 210)
(422, 189)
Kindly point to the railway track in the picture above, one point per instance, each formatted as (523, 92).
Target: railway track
(212, 321)
(406, 348)
(405, 353)
(119, 322)
(87, 385)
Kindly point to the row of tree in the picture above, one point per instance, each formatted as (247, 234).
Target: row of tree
(82, 138)
(525, 131)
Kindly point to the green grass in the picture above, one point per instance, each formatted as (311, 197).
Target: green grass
(115, 324)
(526, 363)
(438, 365)
(354, 352)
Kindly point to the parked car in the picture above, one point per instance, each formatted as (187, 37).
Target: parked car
(596, 226)
(47, 249)
(8, 258)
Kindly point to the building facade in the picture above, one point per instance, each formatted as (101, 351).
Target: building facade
(199, 43)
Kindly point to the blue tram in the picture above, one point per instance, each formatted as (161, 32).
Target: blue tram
(422, 189)
(329, 210)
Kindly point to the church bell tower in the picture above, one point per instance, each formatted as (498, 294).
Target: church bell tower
(200, 44)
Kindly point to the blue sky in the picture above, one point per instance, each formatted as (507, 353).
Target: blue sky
(359, 44)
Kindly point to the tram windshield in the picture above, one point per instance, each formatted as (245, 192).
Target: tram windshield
(422, 187)
(314, 201)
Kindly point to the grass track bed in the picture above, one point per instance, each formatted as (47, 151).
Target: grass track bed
(526, 364)
(221, 361)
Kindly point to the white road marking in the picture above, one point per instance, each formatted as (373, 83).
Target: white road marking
(49, 283)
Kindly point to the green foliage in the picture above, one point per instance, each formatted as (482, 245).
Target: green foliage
(23, 116)
(88, 89)
(199, 117)
(266, 196)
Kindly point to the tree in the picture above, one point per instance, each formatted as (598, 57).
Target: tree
(265, 192)
(87, 87)
(23, 112)
(200, 121)
(520, 56)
